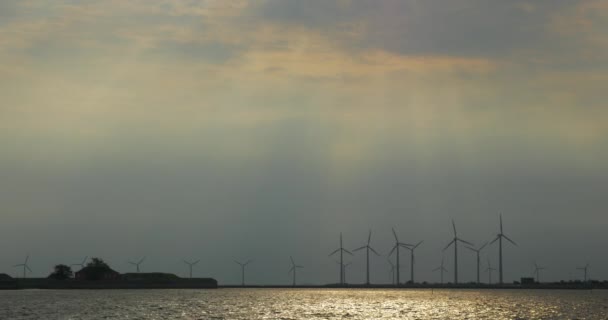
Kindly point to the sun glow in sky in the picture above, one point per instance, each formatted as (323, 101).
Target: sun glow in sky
(243, 129)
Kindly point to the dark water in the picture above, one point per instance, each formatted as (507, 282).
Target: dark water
(304, 304)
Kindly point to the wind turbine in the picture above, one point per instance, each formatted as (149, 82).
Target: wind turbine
(585, 269)
(412, 260)
(82, 264)
(293, 269)
(136, 264)
(191, 264)
(499, 238)
(25, 266)
(392, 272)
(396, 248)
(477, 251)
(441, 269)
(344, 270)
(490, 269)
(455, 243)
(243, 265)
(537, 270)
(368, 248)
(341, 250)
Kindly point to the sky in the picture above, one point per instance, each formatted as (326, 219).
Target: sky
(235, 130)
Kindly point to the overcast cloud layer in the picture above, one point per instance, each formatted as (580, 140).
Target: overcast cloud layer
(226, 130)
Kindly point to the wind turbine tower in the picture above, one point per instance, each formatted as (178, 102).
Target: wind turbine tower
(412, 261)
(25, 266)
(367, 248)
(455, 243)
(293, 269)
(489, 270)
(341, 250)
(396, 248)
(585, 269)
(537, 270)
(441, 269)
(138, 263)
(392, 272)
(243, 265)
(499, 237)
(190, 265)
(477, 251)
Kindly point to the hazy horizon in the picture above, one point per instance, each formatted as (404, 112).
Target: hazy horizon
(236, 130)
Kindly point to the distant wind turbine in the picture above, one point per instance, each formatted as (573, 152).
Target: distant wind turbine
(537, 270)
(294, 268)
(138, 263)
(396, 249)
(341, 250)
(392, 271)
(585, 269)
(25, 266)
(367, 248)
(499, 238)
(412, 261)
(82, 264)
(477, 251)
(455, 243)
(489, 270)
(243, 265)
(441, 269)
(190, 265)
(344, 270)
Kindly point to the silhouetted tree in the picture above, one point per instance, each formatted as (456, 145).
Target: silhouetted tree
(61, 272)
(98, 263)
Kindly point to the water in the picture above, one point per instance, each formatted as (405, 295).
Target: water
(303, 304)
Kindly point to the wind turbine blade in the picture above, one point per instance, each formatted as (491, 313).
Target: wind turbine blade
(331, 254)
(292, 262)
(369, 237)
(348, 252)
(249, 261)
(454, 226)
(484, 245)
(28, 268)
(291, 270)
(361, 248)
(501, 223)
(195, 262)
(340, 239)
(463, 241)
(449, 244)
(495, 239)
(417, 244)
(238, 262)
(438, 268)
(374, 251)
(142, 260)
(513, 242)
(395, 234)
(393, 249)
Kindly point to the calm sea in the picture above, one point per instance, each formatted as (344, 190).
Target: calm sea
(304, 304)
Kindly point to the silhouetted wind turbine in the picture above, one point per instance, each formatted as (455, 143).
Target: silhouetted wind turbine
(412, 260)
(191, 264)
(441, 269)
(341, 250)
(243, 265)
(82, 264)
(392, 272)
(27, 268)
(477, 251)
(368, 248)
(537, 270)
(455, 243)
(585, 269)
(293, 269)
(138, 263)
(490, 269)
(396, 248)
(499, 238)
(344, 272)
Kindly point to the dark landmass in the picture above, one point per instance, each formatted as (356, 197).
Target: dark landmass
(128, 282)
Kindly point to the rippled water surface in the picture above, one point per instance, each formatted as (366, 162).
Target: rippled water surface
(303, 304)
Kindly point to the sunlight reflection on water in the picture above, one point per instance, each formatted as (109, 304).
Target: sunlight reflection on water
(304, 304)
